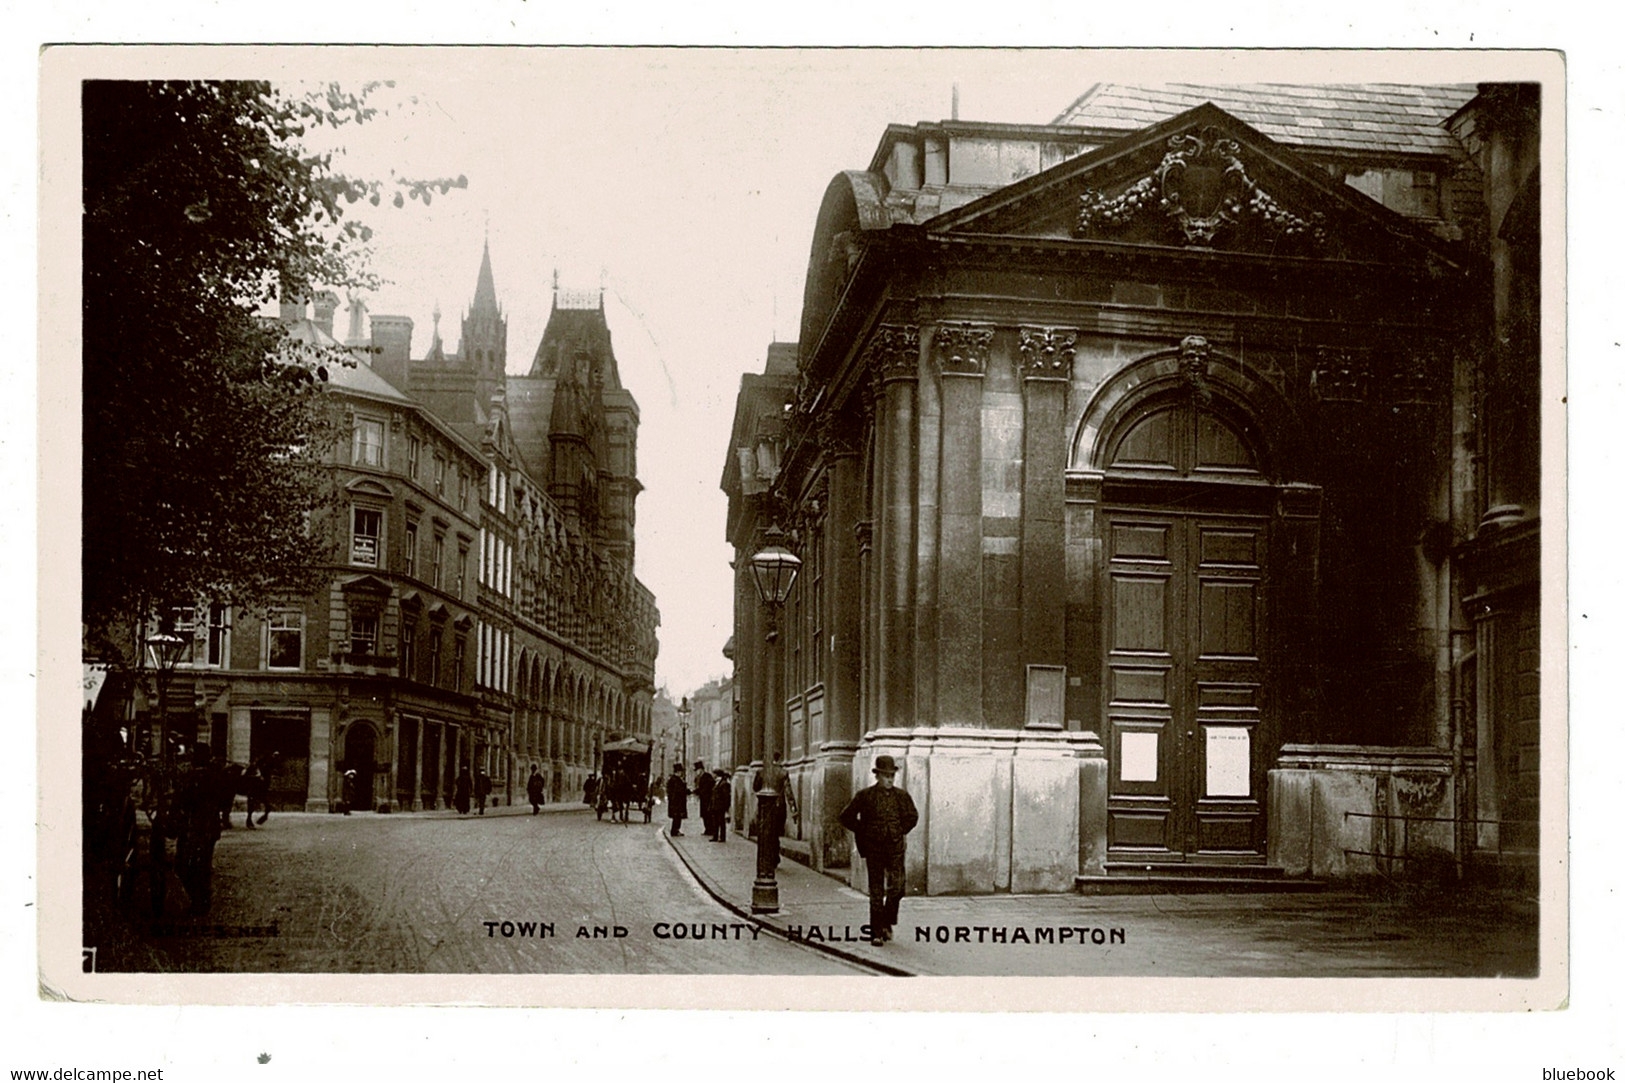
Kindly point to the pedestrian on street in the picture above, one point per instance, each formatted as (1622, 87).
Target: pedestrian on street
(536, 790)
(880, 817)
(589, 790)
(702, 789)
(677, 800)
(720, 800)
(197, 804)
(773, 794)
(347, 791)
(482, 788)
(463, 791)
(256, 791)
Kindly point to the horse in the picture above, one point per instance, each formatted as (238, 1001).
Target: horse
(251, 782)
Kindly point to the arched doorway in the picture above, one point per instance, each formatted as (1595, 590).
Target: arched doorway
(360, 746)
(1193, 602)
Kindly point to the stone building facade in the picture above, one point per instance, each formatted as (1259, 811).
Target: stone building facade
(482, 610)
(1134, 467)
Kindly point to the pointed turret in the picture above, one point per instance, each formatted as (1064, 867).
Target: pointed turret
(484, 346)
(485, 289)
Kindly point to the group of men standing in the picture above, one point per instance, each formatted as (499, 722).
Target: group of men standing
(713, 789)
(879, 816)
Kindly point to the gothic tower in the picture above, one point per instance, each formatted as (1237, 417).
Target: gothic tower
(484, 346)
(592, 424)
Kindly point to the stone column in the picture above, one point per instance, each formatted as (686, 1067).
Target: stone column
(748, 651)
(1046, 370)
(1295, 621)
(960, 353)
(440, 762)
(931, 465)
(895, 354)
(240, 735)
(417, 765)
(321, 751)
(832, 783)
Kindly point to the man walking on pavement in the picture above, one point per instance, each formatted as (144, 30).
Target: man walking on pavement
(677, 800)
(536, 790)
(880, 817)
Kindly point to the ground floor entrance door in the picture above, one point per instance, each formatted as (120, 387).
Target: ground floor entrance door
(282, 744)
(1188, 724)
(360, 748)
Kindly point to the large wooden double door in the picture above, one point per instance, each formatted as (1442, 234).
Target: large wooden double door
(1189, 727)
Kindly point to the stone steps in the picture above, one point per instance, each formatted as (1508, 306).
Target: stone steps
(1182, 878)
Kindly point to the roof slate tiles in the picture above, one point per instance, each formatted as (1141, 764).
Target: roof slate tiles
(1398, 118)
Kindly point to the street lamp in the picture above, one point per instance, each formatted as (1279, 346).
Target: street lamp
(773, 569)
(683, 711)
(166, 649)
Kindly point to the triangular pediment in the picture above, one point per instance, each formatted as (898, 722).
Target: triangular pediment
(366, 584)
(1203, 180)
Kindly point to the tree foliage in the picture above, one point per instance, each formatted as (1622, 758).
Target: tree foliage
(204, 434)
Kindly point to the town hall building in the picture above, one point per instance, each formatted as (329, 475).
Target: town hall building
(1166, 485)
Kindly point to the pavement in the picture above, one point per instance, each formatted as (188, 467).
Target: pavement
(442, 893)
(1399, 932)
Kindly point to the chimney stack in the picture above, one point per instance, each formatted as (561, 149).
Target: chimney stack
(392, 348)
(327, 303)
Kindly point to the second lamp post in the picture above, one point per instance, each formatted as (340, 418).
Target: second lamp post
(773, 569)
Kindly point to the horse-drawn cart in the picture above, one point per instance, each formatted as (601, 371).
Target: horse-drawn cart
(625, 784)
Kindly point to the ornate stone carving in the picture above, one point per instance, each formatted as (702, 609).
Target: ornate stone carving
(1194, 354)
(1397, 377)
(1046, 352)
(1096, 211)
(1341, 375)
(894, 352)
(961, 348)
(1202, 185)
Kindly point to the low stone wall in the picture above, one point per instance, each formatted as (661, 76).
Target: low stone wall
(1000, 810)
(1336, 811)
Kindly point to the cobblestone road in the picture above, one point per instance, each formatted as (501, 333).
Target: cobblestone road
(367, 893)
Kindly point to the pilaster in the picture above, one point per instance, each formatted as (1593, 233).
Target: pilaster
(1046, 369)
(959, 354)
(321, 754)
(896, 362)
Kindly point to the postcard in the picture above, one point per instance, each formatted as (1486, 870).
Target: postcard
(741, 528)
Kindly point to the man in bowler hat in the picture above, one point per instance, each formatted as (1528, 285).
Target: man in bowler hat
(880, 817)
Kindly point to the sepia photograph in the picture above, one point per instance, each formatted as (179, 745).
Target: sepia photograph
(578, 516)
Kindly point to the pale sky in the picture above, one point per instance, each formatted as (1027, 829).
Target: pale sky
(687, 181)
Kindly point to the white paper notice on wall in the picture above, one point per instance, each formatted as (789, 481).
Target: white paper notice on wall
(1138, 762)
(1229, 762)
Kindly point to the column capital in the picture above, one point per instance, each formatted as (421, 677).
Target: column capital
(893, 352)
(1046, 352)
(961, 349)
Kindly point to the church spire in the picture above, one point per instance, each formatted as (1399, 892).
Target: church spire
(485, 289)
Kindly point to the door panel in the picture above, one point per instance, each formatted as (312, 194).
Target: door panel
(1185, 678)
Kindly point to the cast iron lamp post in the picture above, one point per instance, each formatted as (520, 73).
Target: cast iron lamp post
(166, 649)
(773, 569)
(683, 711)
